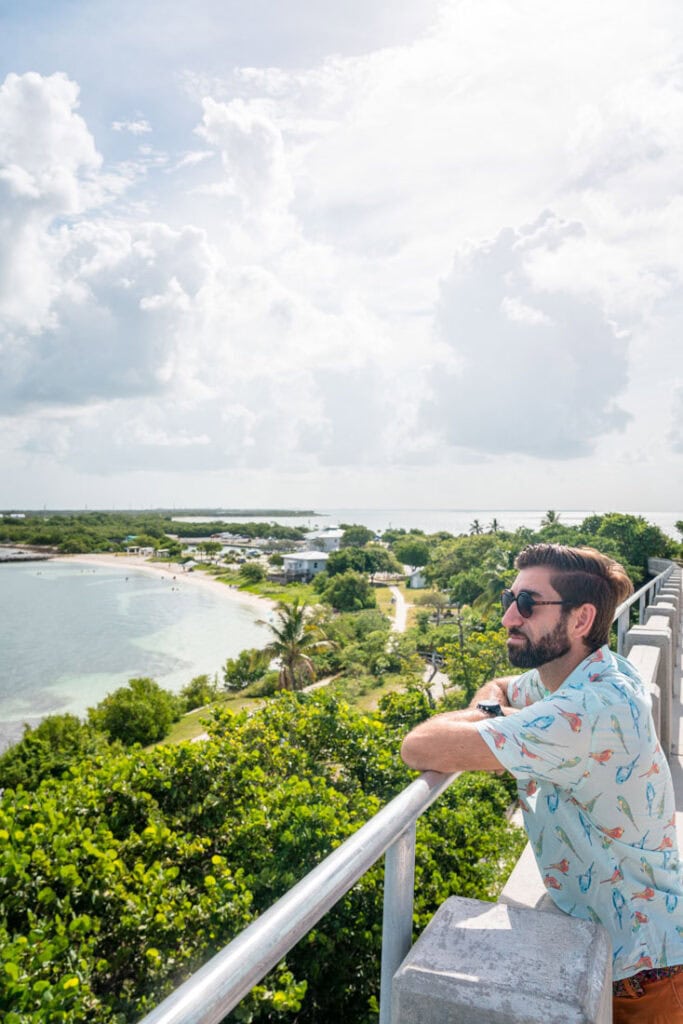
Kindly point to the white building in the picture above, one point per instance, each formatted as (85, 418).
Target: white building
(328, 539)
(305, 564)
(416, 579)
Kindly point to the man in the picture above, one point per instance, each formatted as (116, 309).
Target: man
(594, 784)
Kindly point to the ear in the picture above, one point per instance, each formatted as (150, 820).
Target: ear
(583, 618)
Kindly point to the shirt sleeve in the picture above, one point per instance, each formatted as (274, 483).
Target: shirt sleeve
(526, 689)
(549, 740)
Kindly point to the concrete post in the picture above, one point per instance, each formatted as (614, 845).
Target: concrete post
(652, 635)
(646, 661)
(669, 611)
(669, 599)
(488, 963)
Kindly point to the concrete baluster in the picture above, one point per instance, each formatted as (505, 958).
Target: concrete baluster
(657, 633)
(488, 963)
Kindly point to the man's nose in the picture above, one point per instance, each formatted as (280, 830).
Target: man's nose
(512, 616)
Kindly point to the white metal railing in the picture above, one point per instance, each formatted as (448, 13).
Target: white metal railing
(217, 987)
(644, 596)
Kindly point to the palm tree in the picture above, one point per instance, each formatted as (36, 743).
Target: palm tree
(475, 526)
(496, 576)
(551, 518)
(293, 637)
(494, 525)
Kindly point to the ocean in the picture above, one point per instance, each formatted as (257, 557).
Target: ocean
(70, 633)
(453, 520)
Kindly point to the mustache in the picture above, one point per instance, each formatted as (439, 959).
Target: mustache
(513, 631)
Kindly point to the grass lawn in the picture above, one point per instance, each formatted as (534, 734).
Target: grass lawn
(369, 701)
(383, 597)
(273, 591)
(194, 722)
(365, 694)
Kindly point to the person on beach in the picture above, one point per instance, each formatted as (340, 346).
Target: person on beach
(576, 731)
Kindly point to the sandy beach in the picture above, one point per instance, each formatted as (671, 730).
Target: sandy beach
(172, 572)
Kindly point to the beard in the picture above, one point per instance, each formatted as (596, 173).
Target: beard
(549, 647)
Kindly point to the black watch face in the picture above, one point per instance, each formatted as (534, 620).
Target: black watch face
(490, 707)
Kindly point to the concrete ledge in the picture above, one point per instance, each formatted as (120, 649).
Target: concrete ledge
(481, 962)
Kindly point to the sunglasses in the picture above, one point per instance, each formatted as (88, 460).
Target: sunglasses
(524, 601)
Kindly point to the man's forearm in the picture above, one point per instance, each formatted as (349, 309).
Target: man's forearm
(496, 689)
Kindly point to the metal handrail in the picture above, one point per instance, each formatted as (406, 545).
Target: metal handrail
(217, 987)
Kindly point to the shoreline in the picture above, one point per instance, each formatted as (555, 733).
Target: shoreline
(170, 571)
(75, 695)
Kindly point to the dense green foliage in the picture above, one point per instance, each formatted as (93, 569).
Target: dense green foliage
(349, 591)
(48, 750)
(481, 564)
(198, 692)
(252, 572)
(141, 712)
(246, 668)
(118, 880)
(356, 535)
(411, 550)
(83, 532)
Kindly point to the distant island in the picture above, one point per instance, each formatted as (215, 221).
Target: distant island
(233, 513)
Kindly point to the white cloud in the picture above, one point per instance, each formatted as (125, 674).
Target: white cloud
(518, 311)
(286, 295)
(543, 382)
(252, 152)
(675, 435)
(139, 127)
(49, 170)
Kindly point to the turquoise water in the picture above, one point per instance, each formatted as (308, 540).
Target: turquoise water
(70, 633)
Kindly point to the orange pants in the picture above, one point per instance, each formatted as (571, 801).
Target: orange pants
(661, 1004)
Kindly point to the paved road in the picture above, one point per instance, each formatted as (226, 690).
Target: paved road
(400, 611)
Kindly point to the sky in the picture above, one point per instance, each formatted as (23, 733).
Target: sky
(364, 254)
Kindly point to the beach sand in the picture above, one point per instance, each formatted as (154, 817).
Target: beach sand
(173, 573)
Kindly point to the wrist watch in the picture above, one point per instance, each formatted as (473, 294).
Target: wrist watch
(490, 707)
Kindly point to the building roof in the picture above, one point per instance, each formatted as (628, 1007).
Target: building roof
(309, 556)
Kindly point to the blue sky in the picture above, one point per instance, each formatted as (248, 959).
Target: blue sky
(321, 254)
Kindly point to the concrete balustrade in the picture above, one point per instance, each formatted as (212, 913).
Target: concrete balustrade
(490, 962)
(663, 606)
(646, 661)
(657, 633)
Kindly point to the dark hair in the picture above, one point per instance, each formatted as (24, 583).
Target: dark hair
(582, 576)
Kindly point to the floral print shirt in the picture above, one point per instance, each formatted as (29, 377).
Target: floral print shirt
(598, 803)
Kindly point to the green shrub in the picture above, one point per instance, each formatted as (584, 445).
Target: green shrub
(141, 712)
(49, 750)
(199, 691)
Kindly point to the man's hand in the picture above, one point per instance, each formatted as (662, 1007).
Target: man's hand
(496, 689)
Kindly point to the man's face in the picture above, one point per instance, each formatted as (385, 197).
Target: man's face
(542, 637)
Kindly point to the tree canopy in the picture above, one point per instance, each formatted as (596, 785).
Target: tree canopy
(122, 878)
(349, 591)
(141, 712)
(295, 638)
